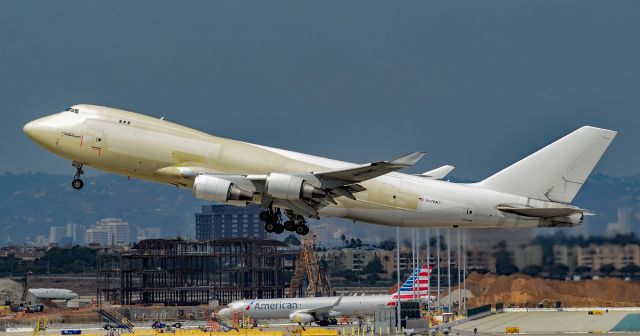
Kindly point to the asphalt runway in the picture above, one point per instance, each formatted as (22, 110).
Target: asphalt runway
(554, 323)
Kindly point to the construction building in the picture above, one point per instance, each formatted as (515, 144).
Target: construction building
(186, 273)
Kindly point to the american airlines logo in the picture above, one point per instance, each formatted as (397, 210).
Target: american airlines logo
(277, 305)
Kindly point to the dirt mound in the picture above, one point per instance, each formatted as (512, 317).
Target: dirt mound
(522, 290)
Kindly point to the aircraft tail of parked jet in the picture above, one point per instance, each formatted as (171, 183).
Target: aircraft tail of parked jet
(416, 286)
(556, 172)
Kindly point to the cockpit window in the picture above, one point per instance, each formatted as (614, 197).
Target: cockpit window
(71, 109)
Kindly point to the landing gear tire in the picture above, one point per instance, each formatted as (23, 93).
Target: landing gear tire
(289, 225)
(264, 216)
(323, 323)
(77, 184)
(269, 227)
(278, 228)
(302, 230)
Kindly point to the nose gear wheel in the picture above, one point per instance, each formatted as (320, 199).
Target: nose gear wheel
(77, 183)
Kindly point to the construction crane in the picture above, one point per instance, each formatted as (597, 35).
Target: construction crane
(25, 287)
(307, 265)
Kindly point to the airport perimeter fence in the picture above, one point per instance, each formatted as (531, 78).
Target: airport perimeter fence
(479, 310)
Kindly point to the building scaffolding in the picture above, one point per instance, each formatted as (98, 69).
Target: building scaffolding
(186, 273)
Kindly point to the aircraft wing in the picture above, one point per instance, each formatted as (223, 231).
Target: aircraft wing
(541, 212)
(322, 310)
(368, 171)
(328, 184)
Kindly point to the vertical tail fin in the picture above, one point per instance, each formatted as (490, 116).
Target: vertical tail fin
(417, 285)
(557, 171)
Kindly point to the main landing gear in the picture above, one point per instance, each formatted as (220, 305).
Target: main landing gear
(273, 224)
(77, 183)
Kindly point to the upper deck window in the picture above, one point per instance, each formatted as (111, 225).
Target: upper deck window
(71, 109)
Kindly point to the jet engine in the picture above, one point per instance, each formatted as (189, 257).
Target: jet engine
(212, 188)
(291, 187)
(301, 318)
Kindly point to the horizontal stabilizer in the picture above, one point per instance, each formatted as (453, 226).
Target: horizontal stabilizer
(541, 212)
(438, 173)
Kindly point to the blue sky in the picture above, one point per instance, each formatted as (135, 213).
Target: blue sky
(474, 84)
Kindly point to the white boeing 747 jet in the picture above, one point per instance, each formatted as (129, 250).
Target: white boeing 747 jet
(324, 310)
(533, 192)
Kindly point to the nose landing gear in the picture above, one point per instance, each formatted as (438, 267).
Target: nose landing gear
(77, 183)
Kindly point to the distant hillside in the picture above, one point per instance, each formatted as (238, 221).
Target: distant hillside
(31, 203)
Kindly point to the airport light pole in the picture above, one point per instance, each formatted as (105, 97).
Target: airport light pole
(449, 265)
(413, 264)
(398, 322)
(458, 263)
(438, 264)
(464, 268)
(428, 271)
(418, 264)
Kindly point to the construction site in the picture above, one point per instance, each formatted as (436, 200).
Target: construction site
(191, 273)
(179, 286)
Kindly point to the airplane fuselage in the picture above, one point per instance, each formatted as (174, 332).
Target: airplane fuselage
(276, 309)
(143, 147)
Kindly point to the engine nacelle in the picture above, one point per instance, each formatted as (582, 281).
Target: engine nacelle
(212, 188)
(289, 187)
(301, 318)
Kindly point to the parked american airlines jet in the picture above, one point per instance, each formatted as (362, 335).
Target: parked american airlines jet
(53, 293)
(323, 310)
(534, 192)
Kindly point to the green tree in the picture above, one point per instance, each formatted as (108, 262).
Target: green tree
(388, 244)
(292, 240)
(532, 270)
(504, 265)
(373, 278)
(349, 275)
(630, 269)
(374, 266)
(607, 269)
(557, 271)
(582, 270)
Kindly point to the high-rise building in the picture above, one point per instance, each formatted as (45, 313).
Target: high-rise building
(57, 233)
(108, 231)
(227, 221)
(97, 235)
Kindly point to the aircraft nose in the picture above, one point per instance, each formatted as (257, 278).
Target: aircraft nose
(29, 129)
(40, 130)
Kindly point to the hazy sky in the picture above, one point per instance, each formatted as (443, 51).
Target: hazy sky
(476, 84)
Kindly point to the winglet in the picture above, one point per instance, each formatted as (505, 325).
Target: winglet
(438, 173)
(337, 302)
(408, 160)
